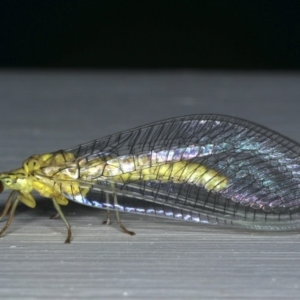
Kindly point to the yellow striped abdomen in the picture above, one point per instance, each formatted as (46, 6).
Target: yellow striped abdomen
(183, 171)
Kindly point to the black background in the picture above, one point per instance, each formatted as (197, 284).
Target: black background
(150, 34)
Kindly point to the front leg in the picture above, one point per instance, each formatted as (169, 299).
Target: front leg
(11, 204)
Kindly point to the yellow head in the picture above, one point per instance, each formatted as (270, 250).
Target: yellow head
(15, 180)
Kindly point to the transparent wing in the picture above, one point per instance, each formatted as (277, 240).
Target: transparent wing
(261, 168)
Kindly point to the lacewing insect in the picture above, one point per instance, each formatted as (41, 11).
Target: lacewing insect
(210, 169)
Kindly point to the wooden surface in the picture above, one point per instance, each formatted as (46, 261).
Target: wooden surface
(43, 112)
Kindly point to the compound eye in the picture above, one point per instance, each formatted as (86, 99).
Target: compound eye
(1, 186)
(31, 164)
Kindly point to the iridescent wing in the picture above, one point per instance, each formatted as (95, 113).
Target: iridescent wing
(260, 166)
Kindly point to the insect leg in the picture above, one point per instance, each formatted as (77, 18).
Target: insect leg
(55, 216)
(61, 214)
(107, 221)
(118, 218)
(12, 202)
(8, 204)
